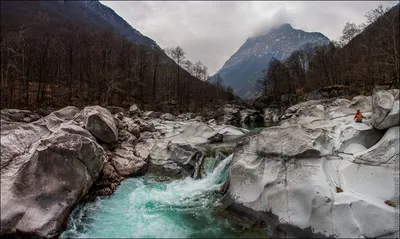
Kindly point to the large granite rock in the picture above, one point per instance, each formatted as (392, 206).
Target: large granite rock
(180, 150)
(383, 152)
(46, 167)
(385, 107)
(177, 159)
(324, 177)
(129, 166)
(100, 123)
(127, 163)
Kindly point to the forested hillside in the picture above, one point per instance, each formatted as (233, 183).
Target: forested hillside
(241, 70)
(52, 60)
(365, 56)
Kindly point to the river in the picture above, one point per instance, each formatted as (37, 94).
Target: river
(143, 207)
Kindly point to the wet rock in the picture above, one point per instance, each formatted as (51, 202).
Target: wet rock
(174, 159)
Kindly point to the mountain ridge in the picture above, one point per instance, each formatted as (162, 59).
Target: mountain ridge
(91, 12)
(241, 70)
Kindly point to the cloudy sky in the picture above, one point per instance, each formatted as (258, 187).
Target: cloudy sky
(212, 31)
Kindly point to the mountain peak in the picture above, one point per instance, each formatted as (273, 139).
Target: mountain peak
(243, 68)
(286, 27)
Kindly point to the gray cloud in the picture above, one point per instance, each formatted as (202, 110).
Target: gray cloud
(212, 31)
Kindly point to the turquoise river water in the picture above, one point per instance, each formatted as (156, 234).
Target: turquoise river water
(145, 208)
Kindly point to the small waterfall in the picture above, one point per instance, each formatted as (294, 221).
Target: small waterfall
(143, 207)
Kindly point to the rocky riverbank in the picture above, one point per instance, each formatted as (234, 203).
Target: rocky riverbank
(316, 173)
(50, 164)
(320, 174)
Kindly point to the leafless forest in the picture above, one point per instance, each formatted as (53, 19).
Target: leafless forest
(54, 64)
(365, 56)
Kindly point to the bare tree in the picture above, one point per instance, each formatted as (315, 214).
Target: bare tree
(350, 30)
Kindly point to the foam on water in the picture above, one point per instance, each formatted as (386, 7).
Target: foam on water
(145, 208)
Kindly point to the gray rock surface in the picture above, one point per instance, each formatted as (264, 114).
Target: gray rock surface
(46, 167)
(134, 110)
(385, 107)
(318, 174)
(100, 123)
(167, 116)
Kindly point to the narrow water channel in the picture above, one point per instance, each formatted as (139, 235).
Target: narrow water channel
(145, 208)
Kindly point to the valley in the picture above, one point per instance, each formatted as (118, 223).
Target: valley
(105, 134)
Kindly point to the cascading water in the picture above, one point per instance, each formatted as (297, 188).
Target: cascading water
(145, 208)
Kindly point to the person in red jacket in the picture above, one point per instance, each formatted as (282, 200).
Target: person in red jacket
(358, 117)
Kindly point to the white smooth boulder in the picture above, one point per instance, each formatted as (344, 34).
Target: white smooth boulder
(129, 167)
(46, 167)
(384, 152)
(291, 141)
(385, 107)
(292, 178)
